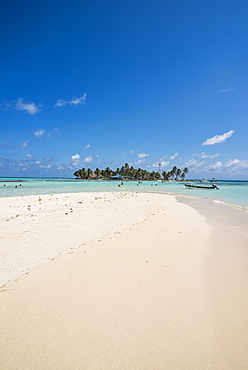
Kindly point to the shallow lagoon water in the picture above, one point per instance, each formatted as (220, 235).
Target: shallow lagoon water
(234, 193)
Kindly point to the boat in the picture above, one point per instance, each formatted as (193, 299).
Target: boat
(213, 186)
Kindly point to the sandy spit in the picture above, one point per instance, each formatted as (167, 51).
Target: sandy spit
(119, 281)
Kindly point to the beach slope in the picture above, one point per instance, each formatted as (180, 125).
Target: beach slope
(116, 280)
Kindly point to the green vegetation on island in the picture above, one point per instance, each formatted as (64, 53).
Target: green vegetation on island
(130, 173)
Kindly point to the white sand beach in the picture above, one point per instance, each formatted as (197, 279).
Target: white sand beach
(122, 281)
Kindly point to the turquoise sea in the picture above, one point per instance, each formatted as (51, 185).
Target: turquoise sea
(234, 193)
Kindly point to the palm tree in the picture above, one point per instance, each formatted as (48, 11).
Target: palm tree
(97, 172)
(127, 171)
(80, 173)
(138, 174)
(146, 175)
(77, 174)
(173, 171)
(126, 166)
(165, 175)
(83, 173)
(186, 170)
(89, 173)
(178, 173)
(108, 172)
(155, 175)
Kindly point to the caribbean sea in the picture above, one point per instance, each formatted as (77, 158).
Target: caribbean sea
(234, 193)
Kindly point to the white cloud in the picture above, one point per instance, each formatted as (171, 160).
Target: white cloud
(204, 155)
(75, 157)
(20, 104)
(54, 130)
(229, 89)
(174, 156)
(140, 161)
(195, 166)
(45, 166)
(211, 156)
(165, 156)
(74, 101)
(88, 159)
(22, 165)
(39, 133)
(162, 163)
(216, 166)
(143, 155)
(30, 108)
(191, 162)
(234, 166)
(60, 103)
(30, 163)
(24, 144)
(217, 139)
(232, 162)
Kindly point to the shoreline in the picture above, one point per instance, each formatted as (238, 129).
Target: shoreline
(160, 282)
(230, 193)
(227, 284)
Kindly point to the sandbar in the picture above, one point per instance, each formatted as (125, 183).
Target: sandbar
(122, 281)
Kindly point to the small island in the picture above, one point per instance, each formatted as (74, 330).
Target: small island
(127, 172)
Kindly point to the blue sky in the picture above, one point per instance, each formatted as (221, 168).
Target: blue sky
(101, 83)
